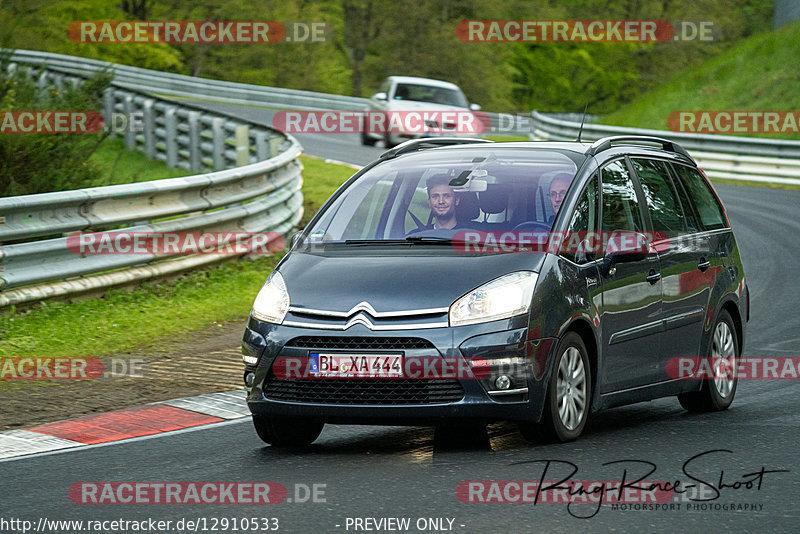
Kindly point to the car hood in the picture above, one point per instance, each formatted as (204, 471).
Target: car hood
(412, 105)
(393, 282)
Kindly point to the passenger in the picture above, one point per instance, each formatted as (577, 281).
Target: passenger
(558, 190)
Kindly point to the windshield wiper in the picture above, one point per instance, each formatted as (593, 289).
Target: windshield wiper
(436, 240)
(376, 242)
(423, 239)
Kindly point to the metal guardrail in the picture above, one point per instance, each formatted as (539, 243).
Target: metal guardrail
(180, 85)
(167, 83)
(261, 194)
(720, 156)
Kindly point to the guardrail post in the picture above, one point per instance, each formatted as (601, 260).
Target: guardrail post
(108, 108)
(42, 80)
(218, 135)
(149, 129)
(275, 143)
(242, 145)
(194, 140)
(171, 138)
(59, 79)
(130, 135)
(262, 146)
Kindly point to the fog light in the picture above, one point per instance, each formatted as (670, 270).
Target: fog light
(502, 382)
(249, 379)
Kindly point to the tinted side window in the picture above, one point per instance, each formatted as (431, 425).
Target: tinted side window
(692, 222)
(705, 202)
(662, 201)
(620, 205)
(583, 221)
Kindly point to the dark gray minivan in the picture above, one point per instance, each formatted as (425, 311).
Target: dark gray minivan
(457, 279)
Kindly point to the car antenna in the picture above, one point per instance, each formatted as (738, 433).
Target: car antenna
(583, 119)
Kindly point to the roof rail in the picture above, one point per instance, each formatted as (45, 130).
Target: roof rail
(429, 142)
(607, 142)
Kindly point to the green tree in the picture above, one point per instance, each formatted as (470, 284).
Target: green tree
(37, 163)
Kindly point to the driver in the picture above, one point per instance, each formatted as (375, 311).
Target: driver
(443, 201)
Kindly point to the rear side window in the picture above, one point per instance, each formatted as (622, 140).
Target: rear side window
(705, 202)
(620, 204)
(692, 222)
(662, 200)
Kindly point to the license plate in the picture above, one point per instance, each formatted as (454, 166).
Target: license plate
(355, 365)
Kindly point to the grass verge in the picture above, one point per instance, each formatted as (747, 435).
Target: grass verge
(756, 74)
(121, 166)
(507, 138)
(753, 183)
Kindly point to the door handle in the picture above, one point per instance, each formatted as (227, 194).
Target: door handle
(703, 265)
(653, 277)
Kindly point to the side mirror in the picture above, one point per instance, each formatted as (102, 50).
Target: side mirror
(475, 107)
(380, 96)
(625, 246)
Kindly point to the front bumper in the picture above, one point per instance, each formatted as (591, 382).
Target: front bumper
(415, 401)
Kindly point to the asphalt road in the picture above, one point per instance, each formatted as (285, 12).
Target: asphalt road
(381, 472)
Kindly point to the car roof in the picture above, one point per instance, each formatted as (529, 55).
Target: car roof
(423, 81)
(579, 150)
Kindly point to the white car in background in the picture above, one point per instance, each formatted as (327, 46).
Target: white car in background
(407, 94)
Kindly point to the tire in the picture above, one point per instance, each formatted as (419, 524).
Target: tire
(366, 140)
(280, 432)
(717, 393)
(569, 394)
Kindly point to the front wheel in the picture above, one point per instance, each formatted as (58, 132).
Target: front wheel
(280, 432)
(387, 140)
(718, 391)
(367, 140)
(569, 394)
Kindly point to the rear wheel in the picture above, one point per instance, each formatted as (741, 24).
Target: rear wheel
(569, 394)
(718, 391)
(281, 432)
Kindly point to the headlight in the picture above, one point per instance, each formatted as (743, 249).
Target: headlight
(272, 302)
(503, 297)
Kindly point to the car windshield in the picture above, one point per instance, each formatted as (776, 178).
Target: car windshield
(430, 93)
(429, 196)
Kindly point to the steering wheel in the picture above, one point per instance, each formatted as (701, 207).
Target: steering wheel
(532, 225)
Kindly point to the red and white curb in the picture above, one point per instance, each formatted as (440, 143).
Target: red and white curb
(147, 420)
